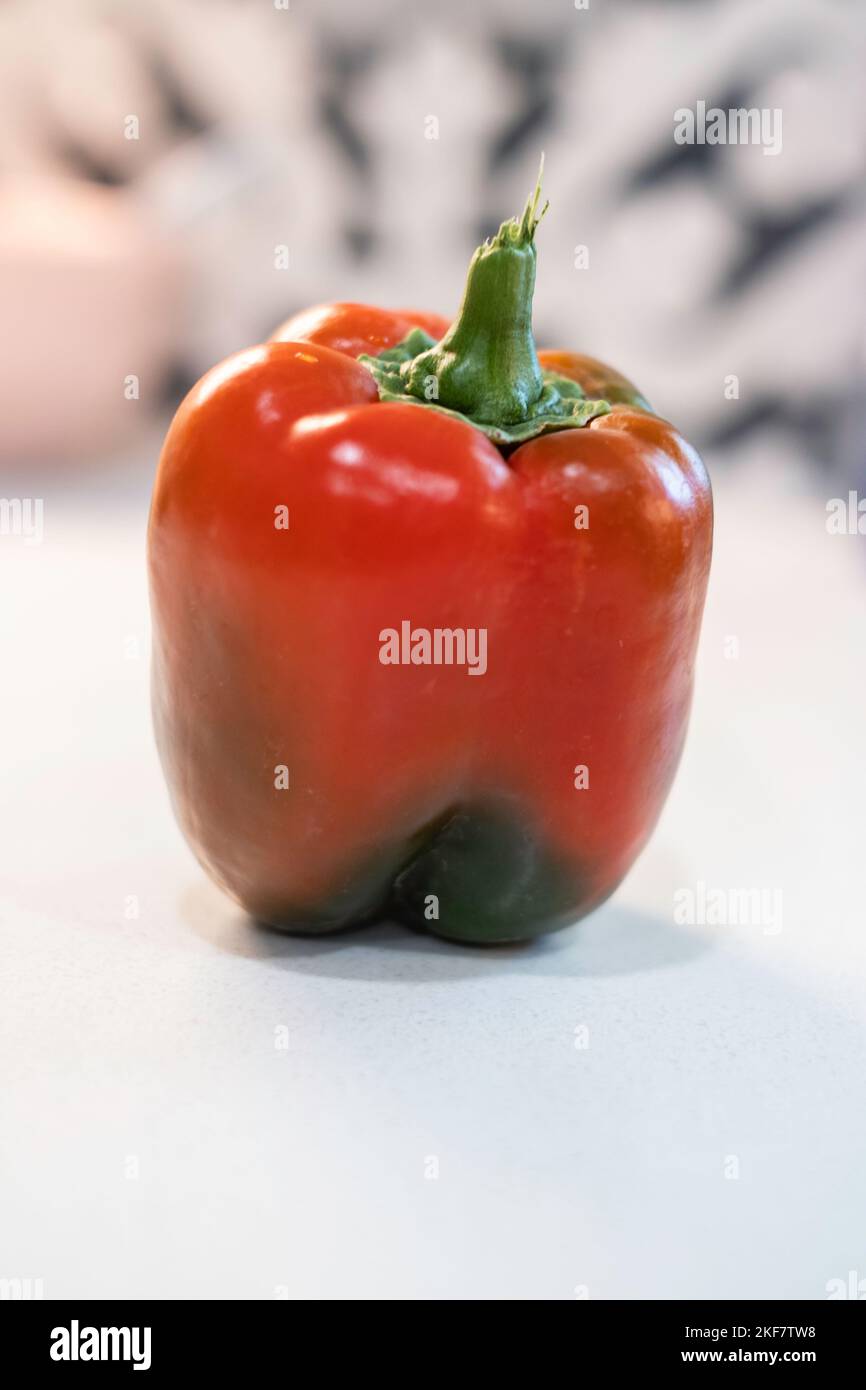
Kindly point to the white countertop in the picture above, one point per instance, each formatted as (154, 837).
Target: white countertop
(157, 1140)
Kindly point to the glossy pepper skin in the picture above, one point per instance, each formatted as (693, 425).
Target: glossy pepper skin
(484, 808)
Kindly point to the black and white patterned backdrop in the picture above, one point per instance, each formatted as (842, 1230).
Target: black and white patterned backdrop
(378, 141)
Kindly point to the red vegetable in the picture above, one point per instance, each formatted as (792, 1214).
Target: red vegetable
(424, 649)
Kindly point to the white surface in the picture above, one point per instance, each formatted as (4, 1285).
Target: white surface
(559, 1167)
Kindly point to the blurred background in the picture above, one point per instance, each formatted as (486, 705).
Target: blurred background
(177, 177)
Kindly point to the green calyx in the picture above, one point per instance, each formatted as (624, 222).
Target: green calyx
(486, 369)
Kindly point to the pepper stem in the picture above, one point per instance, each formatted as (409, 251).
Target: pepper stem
(485, 370)
(486, 366)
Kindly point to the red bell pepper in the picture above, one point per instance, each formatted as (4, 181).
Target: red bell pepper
(351, 522)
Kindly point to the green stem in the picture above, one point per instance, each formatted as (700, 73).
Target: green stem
(486, 366)
(486, 370)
